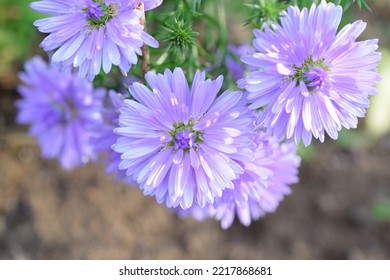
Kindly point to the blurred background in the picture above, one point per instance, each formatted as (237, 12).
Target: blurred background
(340, 209)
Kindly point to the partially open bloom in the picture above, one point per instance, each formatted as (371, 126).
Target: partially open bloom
(61, 109)
(94, 34)
(263, 185)
(180, 144)
(259, 189)
(105, 136)
(235, 67)
(311, 79)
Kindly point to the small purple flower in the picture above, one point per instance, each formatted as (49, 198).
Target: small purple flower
(94, 34)
(309, 78)
(259, 189)
(180, 144)
(61, 109)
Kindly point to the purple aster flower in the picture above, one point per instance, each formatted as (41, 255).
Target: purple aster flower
(180, 144)
(106, 136)
(94, 34)
(61, 110)
(311, 79)
(237, 68)
(259, 189)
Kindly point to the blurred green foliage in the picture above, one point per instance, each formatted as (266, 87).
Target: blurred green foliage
(192, 35)
(381, 210)
(353, 138)
(307, 153)
(17, 32)
(265, 12)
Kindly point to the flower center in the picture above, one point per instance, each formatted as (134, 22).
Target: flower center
(98, 12)
(94, 10)
(67, 110)
(315, 78)
(314, 73)
(185, 137)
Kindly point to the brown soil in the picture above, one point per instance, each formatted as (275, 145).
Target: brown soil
(47, 213)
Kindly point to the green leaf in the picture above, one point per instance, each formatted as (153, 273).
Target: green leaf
(347, 3)
(363, 4)
(196, 5)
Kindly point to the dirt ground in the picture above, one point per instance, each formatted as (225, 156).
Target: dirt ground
(47, 213)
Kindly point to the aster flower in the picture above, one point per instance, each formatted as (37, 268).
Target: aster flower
(61, 110)
(106, 136)
(94, 34)
(311, 79)
(181, 144)
(237, 68)
(259, 189)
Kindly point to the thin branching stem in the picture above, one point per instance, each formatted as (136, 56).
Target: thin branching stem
(145, 65)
